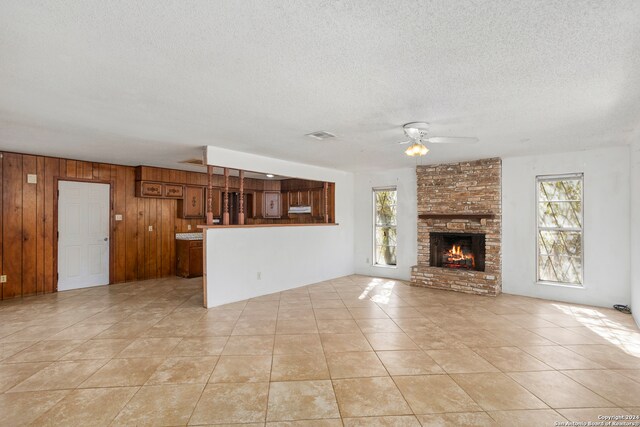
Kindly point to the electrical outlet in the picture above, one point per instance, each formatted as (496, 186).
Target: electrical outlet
(188, 226)
(32, 178)
(151, 228)
(259, 275)
(118, 217)
(3, 278)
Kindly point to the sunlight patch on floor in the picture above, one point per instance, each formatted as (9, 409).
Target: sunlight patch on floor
(378, 291)
(596, 321)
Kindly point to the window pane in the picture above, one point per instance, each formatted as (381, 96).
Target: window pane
(386, 255)
(386, 197)
(385, 227)
(385, 207)
(560, 190)
(386, 236)
(560, 269)
(386, 216)
(560, 242)
(564, 243)
(560, 214)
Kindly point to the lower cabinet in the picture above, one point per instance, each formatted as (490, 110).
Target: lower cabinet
(189, 258)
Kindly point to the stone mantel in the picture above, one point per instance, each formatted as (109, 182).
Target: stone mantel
(464, 215)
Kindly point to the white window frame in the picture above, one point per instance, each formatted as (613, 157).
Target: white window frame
(561, 177)
(375, 225)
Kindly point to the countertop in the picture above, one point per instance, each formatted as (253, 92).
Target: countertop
(188, 236)
(318, 224)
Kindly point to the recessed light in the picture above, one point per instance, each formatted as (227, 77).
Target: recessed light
(270, 175)
(321, 134)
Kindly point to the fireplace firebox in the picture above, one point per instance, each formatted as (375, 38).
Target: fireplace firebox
(457, 250)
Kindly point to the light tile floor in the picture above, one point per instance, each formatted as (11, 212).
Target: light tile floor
(355, 351)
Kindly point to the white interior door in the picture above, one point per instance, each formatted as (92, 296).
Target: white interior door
(83, 234)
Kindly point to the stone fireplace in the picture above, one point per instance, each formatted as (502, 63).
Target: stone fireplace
(459, 227)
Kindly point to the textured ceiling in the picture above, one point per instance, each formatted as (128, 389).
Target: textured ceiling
(150, 82)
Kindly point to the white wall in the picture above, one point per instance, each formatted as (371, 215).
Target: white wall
(222, 157)
(635, 230)
(287, 257)
(610, 217)
(606, 225)
(405, 180)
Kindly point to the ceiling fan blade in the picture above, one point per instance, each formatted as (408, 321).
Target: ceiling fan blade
(452, 139)
(404, 142)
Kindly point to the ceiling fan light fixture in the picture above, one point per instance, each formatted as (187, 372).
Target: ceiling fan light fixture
(416, 149)
(416, 130)
(418, 134)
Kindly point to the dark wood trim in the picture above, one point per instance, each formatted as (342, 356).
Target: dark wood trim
(111, 184)
(209, 195)
(225, 202)
(241, 199)
(325, 205)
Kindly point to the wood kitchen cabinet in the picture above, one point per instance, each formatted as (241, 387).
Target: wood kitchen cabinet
(270, 207)
(216, 203)
(192, 206)
(296, 198)
(173, 191)
(189, 258)
(158, 190)
(148, 189)
(317, 202)
(303, 198)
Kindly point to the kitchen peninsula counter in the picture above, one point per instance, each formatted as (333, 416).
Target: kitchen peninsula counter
(247, 261)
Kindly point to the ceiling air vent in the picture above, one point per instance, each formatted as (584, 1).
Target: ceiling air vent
(320, 135)
(197, 162)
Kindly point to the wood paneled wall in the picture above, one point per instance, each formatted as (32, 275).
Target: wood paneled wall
(27, 243)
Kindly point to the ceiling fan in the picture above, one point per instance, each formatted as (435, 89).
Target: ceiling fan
(417, 132)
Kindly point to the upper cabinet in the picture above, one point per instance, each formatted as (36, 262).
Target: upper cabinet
(173, 191)
(148, 189)
(192, 206)
(271, 204)
(170, 176)
(158, 190)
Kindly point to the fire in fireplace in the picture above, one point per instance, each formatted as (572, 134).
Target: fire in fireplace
(457, 250)
(456, 257)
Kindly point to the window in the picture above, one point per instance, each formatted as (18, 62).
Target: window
(560, 229)
(385, 201)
